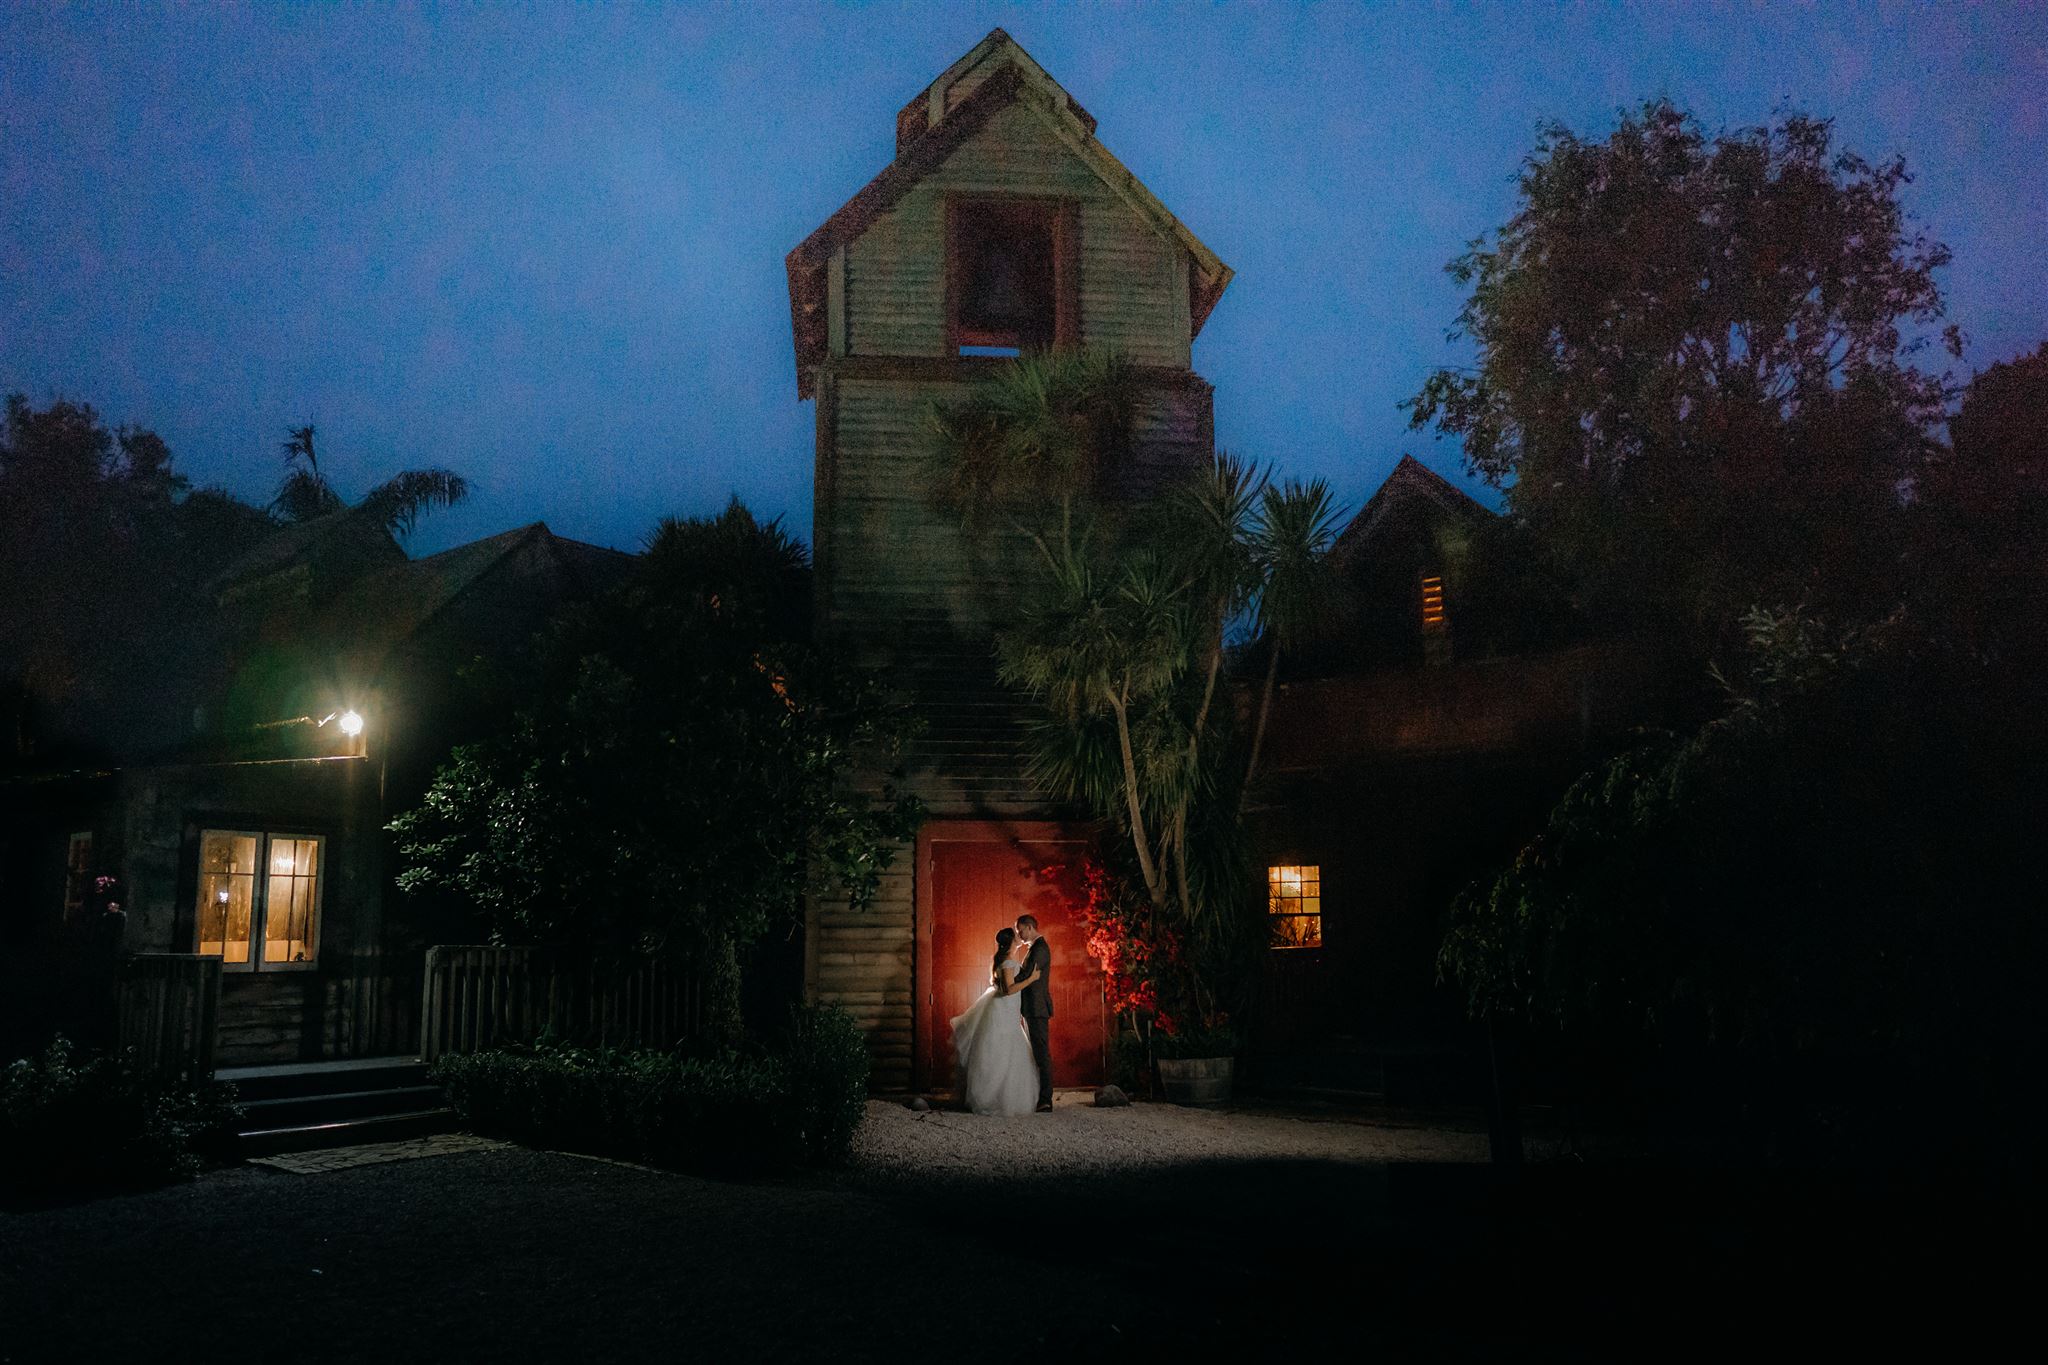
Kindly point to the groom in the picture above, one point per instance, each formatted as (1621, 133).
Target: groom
(1037, 1006)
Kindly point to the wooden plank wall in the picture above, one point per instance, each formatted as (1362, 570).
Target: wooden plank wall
(284, 1016)
(899, 586)
(1133, 277)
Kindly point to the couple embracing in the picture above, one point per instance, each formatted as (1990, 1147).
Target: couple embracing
(1002, 1042)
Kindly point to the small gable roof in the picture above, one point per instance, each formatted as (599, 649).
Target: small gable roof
(1411, 482)
(994, 74)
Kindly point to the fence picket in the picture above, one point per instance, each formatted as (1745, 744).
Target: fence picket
(167, 1008)
(479, 997)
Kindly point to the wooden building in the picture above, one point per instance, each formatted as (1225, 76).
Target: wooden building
(323, 698)
(1411, 752)
(1002, 224)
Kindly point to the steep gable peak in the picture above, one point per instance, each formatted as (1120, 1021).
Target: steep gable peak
(934, 104)
(994, 75)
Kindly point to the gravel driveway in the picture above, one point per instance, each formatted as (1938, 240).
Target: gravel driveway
(1137, 1234)
(1079, 1138)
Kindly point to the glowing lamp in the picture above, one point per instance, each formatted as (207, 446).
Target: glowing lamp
(351, 724)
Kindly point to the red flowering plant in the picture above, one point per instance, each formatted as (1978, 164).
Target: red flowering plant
(1122, 934)
(1149, 979)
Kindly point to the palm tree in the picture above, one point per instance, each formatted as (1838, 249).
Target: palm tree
(730, 568)
(396, 504)
(1290, 541)
(1123, 636)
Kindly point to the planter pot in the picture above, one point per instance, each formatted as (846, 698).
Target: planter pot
(1195, 1080)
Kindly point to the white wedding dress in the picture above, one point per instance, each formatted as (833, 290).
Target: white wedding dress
(997, 1073)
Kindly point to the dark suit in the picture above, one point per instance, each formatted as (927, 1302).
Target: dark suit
(1037, 1009)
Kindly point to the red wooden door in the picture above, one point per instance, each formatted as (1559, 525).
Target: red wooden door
(977, 881)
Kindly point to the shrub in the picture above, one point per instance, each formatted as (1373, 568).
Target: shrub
(773, 1109)
(72, 1120)
(828, 1066)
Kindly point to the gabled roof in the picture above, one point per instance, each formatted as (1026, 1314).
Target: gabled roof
(1410, 482)
(349, 540)
(387, 608)
(996, 73)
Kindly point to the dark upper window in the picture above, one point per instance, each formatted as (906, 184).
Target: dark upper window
(1010, 275)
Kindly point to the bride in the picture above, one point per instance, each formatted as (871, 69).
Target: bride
(997, 1075)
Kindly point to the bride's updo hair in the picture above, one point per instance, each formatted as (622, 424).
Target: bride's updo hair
(1004, 938)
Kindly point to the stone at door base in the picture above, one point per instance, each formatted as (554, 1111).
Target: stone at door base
(1111, 1097)
(917, 1104)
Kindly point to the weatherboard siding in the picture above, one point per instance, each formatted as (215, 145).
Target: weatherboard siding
(1133, 285)
(901, 589)
(910, 595)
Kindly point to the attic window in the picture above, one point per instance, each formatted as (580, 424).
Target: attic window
(1434, 617)
(1010, 275)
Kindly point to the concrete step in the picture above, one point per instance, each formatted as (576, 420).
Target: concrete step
(349, 1075)
(294, 1111)
(347, 1132)
(301, 1106)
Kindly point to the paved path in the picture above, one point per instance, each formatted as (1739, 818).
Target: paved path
(376, 1153)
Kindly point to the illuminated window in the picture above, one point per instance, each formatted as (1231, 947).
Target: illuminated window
(259, 898)
(1294, 904)
(1010, 275)
(1433, 616)
(77, 871)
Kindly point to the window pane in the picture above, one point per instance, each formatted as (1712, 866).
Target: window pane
(1294, 902)
(1297, 931)
(227, 894)
(291, 900)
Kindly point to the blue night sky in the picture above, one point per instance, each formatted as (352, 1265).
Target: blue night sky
(544, 247)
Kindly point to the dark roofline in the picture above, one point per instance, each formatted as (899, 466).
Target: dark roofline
(1410, 478)
(510, 543)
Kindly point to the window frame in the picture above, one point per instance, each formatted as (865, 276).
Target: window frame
(1317, 914)
(259, 898)
(77, 875)
(1062, 215)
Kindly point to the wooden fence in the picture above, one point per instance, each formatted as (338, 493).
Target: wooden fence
(167, 1007)
(479, 997)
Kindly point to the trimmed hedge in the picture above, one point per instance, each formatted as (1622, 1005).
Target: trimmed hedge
(74, 1121)
(794, 1103)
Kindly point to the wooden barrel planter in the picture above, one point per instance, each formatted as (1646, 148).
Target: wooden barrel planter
(1195, 1080)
